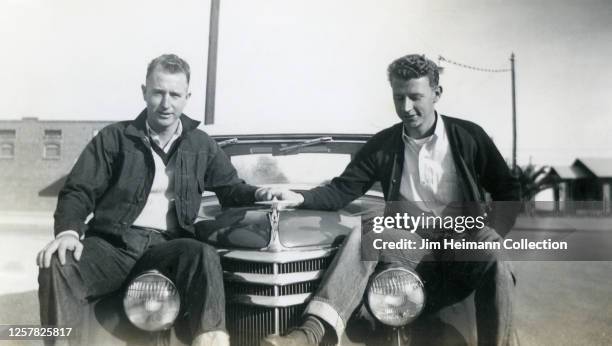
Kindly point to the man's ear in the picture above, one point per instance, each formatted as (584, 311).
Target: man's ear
(188, 95)
(144, 91)
(438, 91)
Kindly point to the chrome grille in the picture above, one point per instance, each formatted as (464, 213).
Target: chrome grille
(304, 266)
(233, 288)
(248, 322)
(247, 325)
(299, 288)
(290, 317)
(236, 266)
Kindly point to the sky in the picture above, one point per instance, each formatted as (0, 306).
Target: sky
(320, 65)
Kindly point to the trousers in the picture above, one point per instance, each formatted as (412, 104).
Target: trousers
(448, 280)
(107, 264)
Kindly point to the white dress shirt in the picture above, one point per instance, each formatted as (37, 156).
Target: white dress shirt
(429, 175)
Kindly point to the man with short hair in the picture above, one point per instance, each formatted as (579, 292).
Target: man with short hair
(432, 165)
(142, 180)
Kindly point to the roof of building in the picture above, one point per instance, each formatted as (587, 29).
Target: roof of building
(569, 172)
(601, 167)
(55, 121)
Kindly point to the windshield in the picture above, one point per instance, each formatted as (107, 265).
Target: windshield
(302, 169)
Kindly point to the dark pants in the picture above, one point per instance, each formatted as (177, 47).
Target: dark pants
(108, 263)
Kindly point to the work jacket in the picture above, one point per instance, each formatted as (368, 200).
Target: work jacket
(113, 177)
(479, 165)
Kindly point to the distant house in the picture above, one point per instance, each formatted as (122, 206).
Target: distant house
(35, 156)
(586, 183)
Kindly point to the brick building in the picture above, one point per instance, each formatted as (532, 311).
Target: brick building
(35, 156)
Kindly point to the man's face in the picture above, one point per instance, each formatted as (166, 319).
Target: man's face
(414, 103)
(166, 95)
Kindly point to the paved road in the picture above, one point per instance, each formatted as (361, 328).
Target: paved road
(564, 303)
(18, 247)
(558, 303)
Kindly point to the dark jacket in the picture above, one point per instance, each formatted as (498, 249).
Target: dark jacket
(113, 176)
(479, 164)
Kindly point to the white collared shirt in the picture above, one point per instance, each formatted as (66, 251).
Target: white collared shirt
(155, 136)
(159, 210)
(429, 174)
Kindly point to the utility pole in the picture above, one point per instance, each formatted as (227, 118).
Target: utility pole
(513, 114)
(211, 70)
(513, 72)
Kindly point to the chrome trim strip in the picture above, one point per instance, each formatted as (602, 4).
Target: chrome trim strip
(276, 257)
(276, 294)
(271, 302)
(274, 141)
(306, 143)
(273, 279)
(227, 142)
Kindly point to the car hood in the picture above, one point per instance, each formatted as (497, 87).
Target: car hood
(250, 227)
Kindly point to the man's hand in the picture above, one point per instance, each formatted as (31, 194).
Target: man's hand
(69, 241)
(268, 193)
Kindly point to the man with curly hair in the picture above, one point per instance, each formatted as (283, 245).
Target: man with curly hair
(428, 164)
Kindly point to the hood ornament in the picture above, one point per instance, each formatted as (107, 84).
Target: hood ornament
(274, 244)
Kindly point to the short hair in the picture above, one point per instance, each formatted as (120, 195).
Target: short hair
(170, 63)
(414, 66)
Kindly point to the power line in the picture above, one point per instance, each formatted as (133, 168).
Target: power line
(512, 71)
(441, 58)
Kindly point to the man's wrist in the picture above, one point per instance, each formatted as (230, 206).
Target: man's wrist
(68, 233)
(304, 196)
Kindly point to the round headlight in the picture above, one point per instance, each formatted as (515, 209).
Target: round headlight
(152, 302)
(396, 296)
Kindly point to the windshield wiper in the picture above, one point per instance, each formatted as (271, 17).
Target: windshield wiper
(307, 143)
(227, 142)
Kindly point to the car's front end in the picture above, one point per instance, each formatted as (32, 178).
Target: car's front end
(274, 258)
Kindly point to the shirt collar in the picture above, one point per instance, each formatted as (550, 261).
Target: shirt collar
(439, 132)
(155, 136)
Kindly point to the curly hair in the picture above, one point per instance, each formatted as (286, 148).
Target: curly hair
(170, 63)
(414, 66)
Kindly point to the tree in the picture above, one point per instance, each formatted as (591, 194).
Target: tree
(533, 179)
